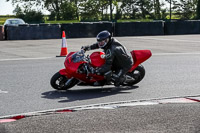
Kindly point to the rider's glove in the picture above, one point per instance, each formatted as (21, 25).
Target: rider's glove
(85, 48)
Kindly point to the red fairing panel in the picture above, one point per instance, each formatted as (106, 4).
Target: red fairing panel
(64, 72)
(71, 53)
(97, 59)
(68, 65)
(72, 67)
(139, 56)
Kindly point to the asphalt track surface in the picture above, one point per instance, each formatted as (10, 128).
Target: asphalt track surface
(172, 74)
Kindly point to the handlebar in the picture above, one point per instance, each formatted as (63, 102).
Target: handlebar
(82, 51)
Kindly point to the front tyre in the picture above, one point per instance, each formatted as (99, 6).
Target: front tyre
(135, 76)
(58, 82)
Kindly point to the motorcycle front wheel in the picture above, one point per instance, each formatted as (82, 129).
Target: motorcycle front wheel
(135, 76)
(58, 82)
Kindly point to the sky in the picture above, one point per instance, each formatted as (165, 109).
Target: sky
(6, 8)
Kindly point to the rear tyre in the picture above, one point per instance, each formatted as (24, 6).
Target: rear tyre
(135, 76)
(58, 82)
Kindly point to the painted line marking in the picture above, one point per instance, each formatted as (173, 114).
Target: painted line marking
(165, 39)
(158, 54)
(192, 99)
(17, 59)
(7, 120)
(111, 105)
(176, 100)
(3, 91)
(43, 58)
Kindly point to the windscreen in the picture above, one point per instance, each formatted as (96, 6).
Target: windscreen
(78, 56)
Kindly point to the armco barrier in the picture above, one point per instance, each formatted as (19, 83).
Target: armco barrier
(51, 31)
(1, 32)
(12, 32)
(79, 30)
(182, 27)
(76, 30)
(30, 32)
(139, 28)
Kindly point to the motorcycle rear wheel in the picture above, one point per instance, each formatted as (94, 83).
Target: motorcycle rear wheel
(136, 76)
(58, 82)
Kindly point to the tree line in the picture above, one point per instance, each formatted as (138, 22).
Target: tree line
(98, 10)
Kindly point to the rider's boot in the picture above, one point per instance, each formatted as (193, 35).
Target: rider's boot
(119, 81)
(118, 78)
(108, 77)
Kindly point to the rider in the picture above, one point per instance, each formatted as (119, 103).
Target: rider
(116, 56)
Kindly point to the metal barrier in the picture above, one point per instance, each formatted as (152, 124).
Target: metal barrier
(77, 30)
(1, 33)
(182, 27)
(139, 28)
(80, 30)
(30, 32)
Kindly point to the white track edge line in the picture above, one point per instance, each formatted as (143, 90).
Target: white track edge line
(36, 113)
(42, 58)
(18, 59)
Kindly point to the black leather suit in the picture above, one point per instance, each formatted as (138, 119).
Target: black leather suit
(117, 58)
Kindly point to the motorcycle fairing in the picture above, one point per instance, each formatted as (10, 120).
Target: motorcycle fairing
(139, 56)
(65, 73)
(97, 59)
(68, 72)
(73, 62)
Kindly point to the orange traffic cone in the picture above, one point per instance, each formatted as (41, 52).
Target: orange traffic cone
(64, 51)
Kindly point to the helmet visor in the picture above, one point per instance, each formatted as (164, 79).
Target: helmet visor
(102, 43)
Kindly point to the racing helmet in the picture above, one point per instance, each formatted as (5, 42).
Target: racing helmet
(103, 38)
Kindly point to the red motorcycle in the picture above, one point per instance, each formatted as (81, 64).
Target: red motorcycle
(79, 70)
